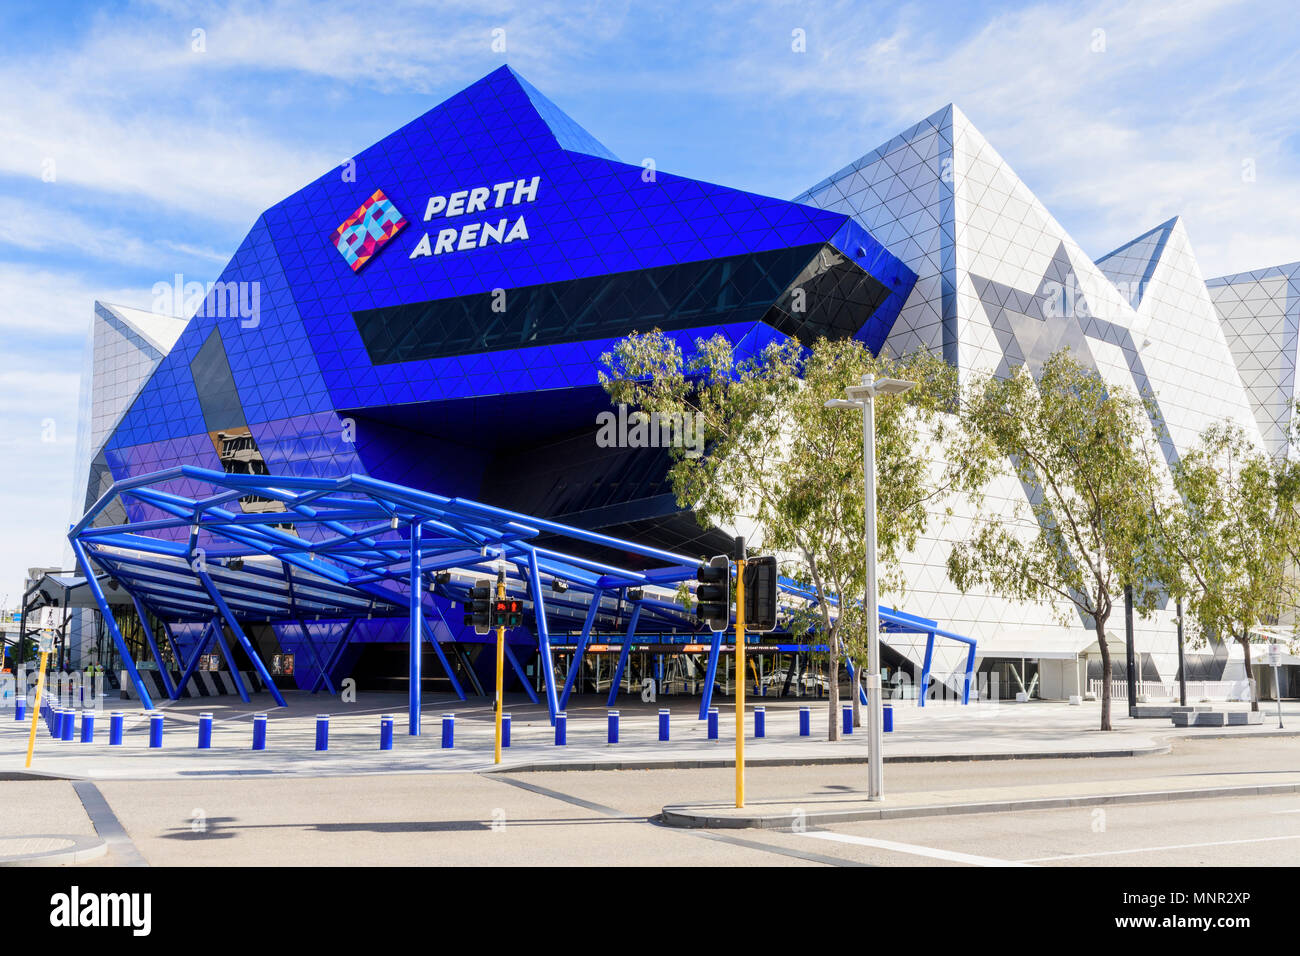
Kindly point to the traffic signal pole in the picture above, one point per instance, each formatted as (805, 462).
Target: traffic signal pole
(501, 664)
(36, 706)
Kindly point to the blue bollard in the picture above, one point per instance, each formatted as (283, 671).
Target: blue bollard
(713, 723)
(155, 730)
(259, 731)
(505, 730)
(116, 724)
(805, 721)
(20, 708)
(561, 729)
(887, 724)
(386, 732)
(205, 731)
(613, 727)
(760, 721)
(87, 726)
(448, 731)
(69, 723)
(847, 711)
(322, 732)
(56, 725)
(663, 723)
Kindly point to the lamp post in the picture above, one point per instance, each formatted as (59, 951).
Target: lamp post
(863, 397)
(1182, 676)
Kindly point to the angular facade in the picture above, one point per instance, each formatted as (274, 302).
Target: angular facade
(1000, 283)
(1260, 312)
(432, 314)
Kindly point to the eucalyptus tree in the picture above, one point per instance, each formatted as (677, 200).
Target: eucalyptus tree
(779, 462)
(1086, 531)
(1230, 530)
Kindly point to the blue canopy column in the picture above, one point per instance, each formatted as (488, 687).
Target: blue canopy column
(414, 633)
(172, 691)
(625, 651)
(243, 640)
(543, 634)
(80, 552)
(583, 639)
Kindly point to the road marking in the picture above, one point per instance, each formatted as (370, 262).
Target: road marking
(107, 825)
(913, 849)
(1286, 811)
(700, 834)
(1157, 849)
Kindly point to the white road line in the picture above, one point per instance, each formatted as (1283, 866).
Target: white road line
(1157, 849)
(1286, 811)
(913, 849)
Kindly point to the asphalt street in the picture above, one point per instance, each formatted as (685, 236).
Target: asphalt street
(609, 817)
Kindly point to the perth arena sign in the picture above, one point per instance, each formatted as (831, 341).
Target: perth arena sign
(477, 201)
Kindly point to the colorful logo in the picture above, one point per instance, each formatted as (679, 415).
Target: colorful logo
(364, 232)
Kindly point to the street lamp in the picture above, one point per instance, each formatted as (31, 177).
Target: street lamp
(862, 397)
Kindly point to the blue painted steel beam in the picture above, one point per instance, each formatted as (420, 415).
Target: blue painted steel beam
(711, 674)
(581, 648)
(925, 670)
(243, 640)
(166, 678)
(334, 656)
(240, 687)
(522, 674)
(442, 658)
(205, 638)
(171, 642)
(543, 636)
(320, 668)
(80, 552)
(415, 580)
(970, 670)
(625, 652)
(862, 691)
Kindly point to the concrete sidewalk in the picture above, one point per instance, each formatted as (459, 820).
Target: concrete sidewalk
(940, 731)
(819, 810)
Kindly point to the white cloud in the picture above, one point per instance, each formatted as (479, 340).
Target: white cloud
(1114, 142)
(43, 227)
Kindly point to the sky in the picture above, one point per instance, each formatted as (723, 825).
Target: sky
(141, 140)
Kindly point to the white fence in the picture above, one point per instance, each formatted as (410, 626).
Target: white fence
(1197, 690)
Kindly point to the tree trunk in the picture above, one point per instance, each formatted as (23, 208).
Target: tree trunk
(833, 731)
(1100, 624)
(1250, 677)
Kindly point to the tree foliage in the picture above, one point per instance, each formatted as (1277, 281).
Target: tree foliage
(780, 463)
(1078, 447)
(1228, 528)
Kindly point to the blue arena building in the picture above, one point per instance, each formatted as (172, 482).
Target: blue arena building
(406, 350)
(431, 315)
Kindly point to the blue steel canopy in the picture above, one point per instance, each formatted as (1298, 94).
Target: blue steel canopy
(352, 547)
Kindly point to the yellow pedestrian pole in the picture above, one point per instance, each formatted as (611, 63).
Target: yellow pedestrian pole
(501, 666)
(740, 683)
(36, 707)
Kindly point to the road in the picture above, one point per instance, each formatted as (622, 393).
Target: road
(608, 817)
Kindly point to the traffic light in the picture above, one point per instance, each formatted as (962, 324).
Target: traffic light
(713, 593)
(507, 612)
(479, 611)
(760, 594)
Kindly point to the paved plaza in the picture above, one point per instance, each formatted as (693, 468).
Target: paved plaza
(940, 730)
